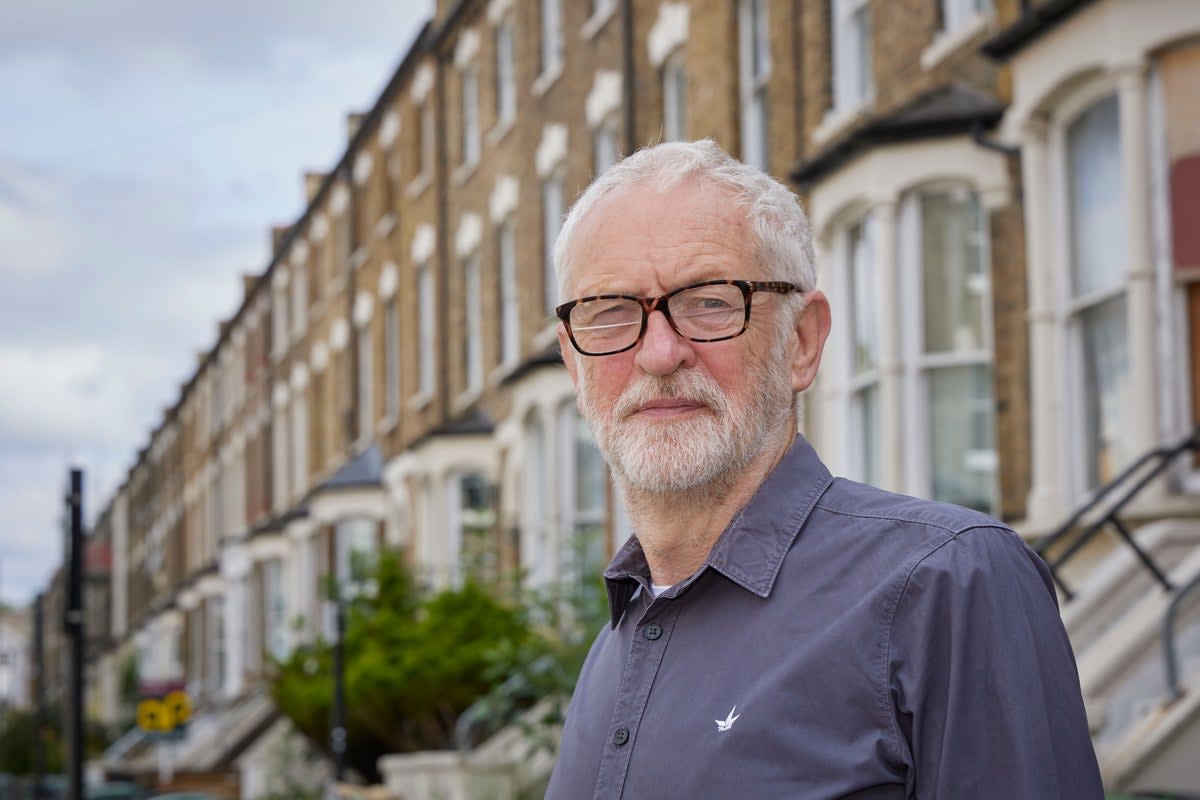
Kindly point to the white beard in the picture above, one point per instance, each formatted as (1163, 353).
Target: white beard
(706, 449)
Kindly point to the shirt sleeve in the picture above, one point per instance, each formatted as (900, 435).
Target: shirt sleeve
(983, 685)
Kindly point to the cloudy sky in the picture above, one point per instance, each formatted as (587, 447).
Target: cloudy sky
(146, 149)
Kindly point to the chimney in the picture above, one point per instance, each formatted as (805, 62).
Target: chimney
(312, 185)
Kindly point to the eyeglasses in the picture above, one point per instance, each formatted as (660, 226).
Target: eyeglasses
(711, 311)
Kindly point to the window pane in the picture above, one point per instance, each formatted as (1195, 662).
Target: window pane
(604, 147)
(479, 557)
(505, 94)
(1105, 391)
(470, 116)
(861, 33)
(551, 50)
(473, 330)
(425, 297)
(863, 283)
(867, 412)
(392, 356)
(366, 384)
(674, 98)
(1097, 220)
(962, 438)
(509, 321)
(552, 211)
(957, 287)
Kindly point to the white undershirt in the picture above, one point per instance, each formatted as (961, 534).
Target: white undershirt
(657, 588)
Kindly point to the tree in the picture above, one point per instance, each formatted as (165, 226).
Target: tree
(413, 664)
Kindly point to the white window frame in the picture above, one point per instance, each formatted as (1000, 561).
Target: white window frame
(473, 327)
(469, 109)
(366, 383)
(299, 284)
(755, 74)
(275, 612)
(298, 414)
(860, 381)
(510, 299)
(605, 147)
(391, 343)
(505, 71)
(921, 364)
(426, 332)
(574, 517)
(853, 67)
(960, 14)
(553, 208)
(1071, 306)
(535, 540)
(674, 90)
(550, 44)
(281, 433)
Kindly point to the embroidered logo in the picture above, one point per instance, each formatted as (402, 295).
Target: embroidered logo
(727, 723)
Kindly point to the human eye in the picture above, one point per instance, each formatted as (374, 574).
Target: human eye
(598, 315)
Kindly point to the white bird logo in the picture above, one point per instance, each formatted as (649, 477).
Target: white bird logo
(727, 723)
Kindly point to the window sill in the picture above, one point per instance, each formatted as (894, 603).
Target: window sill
(503, 370)
(598, 20)
(358, 258)
(463, 172)
(838, 121)
(419, 184)
(546, 337)
(947, 42)
(466, 399)
(500, 130)
(543, 82)
(419, 402)
(387, 424)
(385, 225)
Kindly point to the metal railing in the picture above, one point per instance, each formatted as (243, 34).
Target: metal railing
(1125, 487)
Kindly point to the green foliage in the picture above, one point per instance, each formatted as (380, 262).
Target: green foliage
(18, 732)
(413, 664)
(547, 666)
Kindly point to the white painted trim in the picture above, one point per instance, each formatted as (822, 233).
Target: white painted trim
(670, 31)
(603, 99)
(319, 357)
(467, 47)
(421, 84)
(339, 335)
(363, 166)
(469, 235)
(423, 243)
(497, 9)
(504, 198)
(389, 128)
(389, 279)
(551, 149)
(299, 376)
(364, 306)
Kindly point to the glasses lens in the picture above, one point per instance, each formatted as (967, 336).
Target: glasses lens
(604, 326)
(709, 312)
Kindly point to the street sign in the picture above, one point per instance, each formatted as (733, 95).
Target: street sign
(164, 710)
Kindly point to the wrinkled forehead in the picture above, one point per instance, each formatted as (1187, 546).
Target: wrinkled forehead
(688, 212)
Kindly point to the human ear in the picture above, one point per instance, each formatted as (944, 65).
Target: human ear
(811, 330)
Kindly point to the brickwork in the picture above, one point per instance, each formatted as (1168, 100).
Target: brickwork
(398, 199)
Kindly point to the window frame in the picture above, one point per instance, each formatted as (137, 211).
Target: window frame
(754, 68)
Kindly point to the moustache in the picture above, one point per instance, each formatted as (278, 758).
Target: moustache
(688, 386)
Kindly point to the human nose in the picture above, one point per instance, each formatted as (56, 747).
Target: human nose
(662, 350)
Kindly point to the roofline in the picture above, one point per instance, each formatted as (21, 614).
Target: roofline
(884, 132)
(1031, 25)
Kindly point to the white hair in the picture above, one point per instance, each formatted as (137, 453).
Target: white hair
(777, 222)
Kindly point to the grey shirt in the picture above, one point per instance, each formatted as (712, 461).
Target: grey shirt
(839, 642)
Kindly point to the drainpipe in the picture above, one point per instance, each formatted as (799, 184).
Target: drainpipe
(628, 76)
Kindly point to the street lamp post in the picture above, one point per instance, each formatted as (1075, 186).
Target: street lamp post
(337, 733)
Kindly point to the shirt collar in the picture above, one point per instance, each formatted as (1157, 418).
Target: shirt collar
(751, 549)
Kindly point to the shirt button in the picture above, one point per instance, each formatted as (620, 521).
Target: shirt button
(653, 631)
(620, 736)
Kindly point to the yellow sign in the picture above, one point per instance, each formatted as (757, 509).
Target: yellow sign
(165, 715)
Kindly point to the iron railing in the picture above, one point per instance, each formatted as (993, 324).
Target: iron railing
(1125, 487)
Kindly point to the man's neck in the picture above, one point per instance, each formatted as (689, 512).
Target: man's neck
(678, 530)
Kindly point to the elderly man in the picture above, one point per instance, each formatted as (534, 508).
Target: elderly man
(777, 632)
